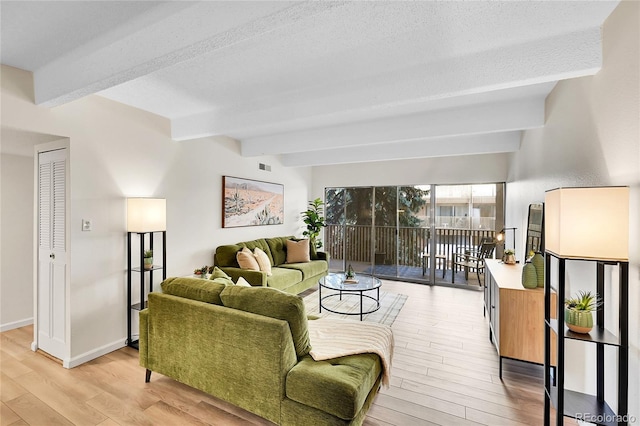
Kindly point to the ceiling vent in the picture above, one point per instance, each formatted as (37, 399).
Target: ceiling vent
(265, 167)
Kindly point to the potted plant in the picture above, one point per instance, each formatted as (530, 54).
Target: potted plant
(148, 259)
(201, 272)
(350, 276)
(578, 311)
(510, 256)
(314, 219)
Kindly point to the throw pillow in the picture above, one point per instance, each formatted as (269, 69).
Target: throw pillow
(272, 303)
(223, 280)
(242, 282)
(218, 273)
(263, 260)
(247, 260)
(195, 289)
(298, 251)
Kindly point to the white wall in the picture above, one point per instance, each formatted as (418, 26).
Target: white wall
(487, 168)
(591, 138)
(117, 152)
(193, 188)
(16, 233)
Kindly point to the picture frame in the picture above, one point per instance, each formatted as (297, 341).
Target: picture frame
(248, 202)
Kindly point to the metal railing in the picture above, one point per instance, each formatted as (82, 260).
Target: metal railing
(380, 244)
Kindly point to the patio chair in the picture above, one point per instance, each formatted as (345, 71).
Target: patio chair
(472, 260)
(476, 250)
(440, 259)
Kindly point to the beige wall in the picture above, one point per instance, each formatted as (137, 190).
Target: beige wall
(116, 152)
(591, 138)
(16, 233)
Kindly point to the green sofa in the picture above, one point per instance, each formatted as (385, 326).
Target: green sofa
(292, 278)
(253, 355)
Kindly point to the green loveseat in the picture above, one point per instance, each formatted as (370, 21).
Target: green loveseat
(292, 278)
(254, 355)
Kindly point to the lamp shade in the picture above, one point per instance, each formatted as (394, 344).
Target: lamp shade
(146, 214)
(591, 223)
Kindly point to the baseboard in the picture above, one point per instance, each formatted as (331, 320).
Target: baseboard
(93, 354)
(16, 324)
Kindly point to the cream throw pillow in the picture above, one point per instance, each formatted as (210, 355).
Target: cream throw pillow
(263, 260)
(247, 260)
(298, 251)
(242, 282)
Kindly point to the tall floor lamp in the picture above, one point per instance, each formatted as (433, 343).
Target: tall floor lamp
(144, 216)
(587, 225)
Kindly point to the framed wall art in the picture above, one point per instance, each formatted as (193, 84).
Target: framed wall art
(250, 202)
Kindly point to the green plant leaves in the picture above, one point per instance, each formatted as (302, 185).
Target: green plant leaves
(585, 301)
(313, 217)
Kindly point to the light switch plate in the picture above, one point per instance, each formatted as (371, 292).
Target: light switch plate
(87, 225)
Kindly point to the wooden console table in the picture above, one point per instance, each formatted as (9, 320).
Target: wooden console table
(516, 314)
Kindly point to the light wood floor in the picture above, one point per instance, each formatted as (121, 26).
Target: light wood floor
(445, 372)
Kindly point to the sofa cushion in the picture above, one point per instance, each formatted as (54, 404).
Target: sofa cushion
(195, 288)
(263, 260)
(223, 280)
(298, 251)
(226, 255)
(282, 278)
(272, 303)
(338, 386)
(308, 269)
(218, 273)
(247, 260)
(262, 243)
(278, 249)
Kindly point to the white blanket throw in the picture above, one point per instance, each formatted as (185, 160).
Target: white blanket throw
(334, 338)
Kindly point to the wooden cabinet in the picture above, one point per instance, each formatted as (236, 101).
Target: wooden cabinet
(516, 314)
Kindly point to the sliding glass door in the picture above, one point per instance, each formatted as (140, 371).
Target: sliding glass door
(413, 231)
(409, 232)
(359, 215)
(385, 231)
(349, 231)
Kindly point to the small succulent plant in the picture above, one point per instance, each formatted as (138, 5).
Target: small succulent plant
(350, 274)
(586, 301)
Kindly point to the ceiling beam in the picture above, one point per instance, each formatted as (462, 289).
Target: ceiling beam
(476, 119)
(423, 148)
(184, 31)
(538, 61)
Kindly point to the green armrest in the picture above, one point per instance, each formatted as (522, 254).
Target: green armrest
(323, 256)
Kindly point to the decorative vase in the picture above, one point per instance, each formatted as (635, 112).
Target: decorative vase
(529, 276)
(510, 259)
(578, 321)
(538, 263)
(148, 263)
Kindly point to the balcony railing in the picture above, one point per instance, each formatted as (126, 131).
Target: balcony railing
(358, 243)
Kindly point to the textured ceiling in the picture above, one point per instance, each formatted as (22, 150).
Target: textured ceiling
(315, 82)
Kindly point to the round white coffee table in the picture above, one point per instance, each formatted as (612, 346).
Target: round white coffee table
(336, 281)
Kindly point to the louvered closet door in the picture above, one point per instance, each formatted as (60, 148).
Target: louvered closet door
(52, 253)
